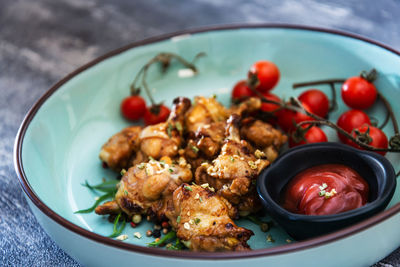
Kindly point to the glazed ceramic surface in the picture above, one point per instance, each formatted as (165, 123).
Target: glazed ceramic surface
(58, 143)
(375, 169)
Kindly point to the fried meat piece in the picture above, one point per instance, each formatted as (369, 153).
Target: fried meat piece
(203, 221)
(145, 184)
(165, 139)
(120, 148)
(250, 105)
(264, 136)
(204, 112)
(235, 170)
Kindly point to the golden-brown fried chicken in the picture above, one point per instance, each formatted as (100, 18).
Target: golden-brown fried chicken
(165, 139)
(248, 106)
(144, 184)
(203, 221)
(234, 172)
(204, 112)
(206, 142)
(117, 153)
(264, 136)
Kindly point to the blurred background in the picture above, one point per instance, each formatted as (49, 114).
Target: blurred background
(41, 41)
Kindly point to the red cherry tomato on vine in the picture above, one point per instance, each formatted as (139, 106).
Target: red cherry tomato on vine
(150, 117)
(267, 74)
(379, 139)
(358, 93)
(133, 107)
(313, 135)
(241, 91)
(287, 118)
(317, 101)
(269, 107)
(350, 120)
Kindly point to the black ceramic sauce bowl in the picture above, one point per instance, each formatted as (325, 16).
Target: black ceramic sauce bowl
(374, 168)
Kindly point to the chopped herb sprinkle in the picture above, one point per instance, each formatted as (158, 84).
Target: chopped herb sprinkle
(178, 126)
(178, 219)
(141, 166)
(195, 149)
(232, 159)
(188, 188)
(123, 171)
(170, 170)
(169, 130)
(196, 221)
(200, 199)
(125, 192)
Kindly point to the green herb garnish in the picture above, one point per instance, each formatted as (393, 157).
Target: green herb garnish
(98, 201)
(178, 245)
(194, 148)
(188, 188)
(178, 219)
(178, 126)
(169, 130)
(108, 186)
(168, 236)
(117, 231)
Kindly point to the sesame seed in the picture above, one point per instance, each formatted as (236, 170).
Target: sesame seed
(186, 226)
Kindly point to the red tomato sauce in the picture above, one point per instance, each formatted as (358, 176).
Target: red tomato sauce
(325, 189)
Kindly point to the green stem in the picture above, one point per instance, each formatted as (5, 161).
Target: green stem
(116, 232)
(98, 201)
(327, 81)
(168, 236)
(107, 186)
(391, 113)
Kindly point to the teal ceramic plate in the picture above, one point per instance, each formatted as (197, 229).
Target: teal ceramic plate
(57, 146)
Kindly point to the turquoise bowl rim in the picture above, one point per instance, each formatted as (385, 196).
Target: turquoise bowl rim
(295, 247)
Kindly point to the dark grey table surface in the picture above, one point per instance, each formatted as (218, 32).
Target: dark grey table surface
(43, 40)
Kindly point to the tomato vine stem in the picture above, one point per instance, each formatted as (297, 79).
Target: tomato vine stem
(164, 59)
(394, 141)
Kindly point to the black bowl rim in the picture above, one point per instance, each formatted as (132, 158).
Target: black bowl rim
(388, 187)
(289, 248)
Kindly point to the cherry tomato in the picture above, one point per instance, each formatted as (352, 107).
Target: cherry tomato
(358, 93)
(269, 107)
(151, 118)
(287, 118)
(313, 135)
(350, 120)
(317, 101)
(241, 91)
(133, 107)
(267, 74)
(379, 139)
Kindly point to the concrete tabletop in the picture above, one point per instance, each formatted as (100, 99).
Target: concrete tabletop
(41, 41)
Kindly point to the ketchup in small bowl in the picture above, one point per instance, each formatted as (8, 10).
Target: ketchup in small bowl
(319, 188)
(325, 189)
